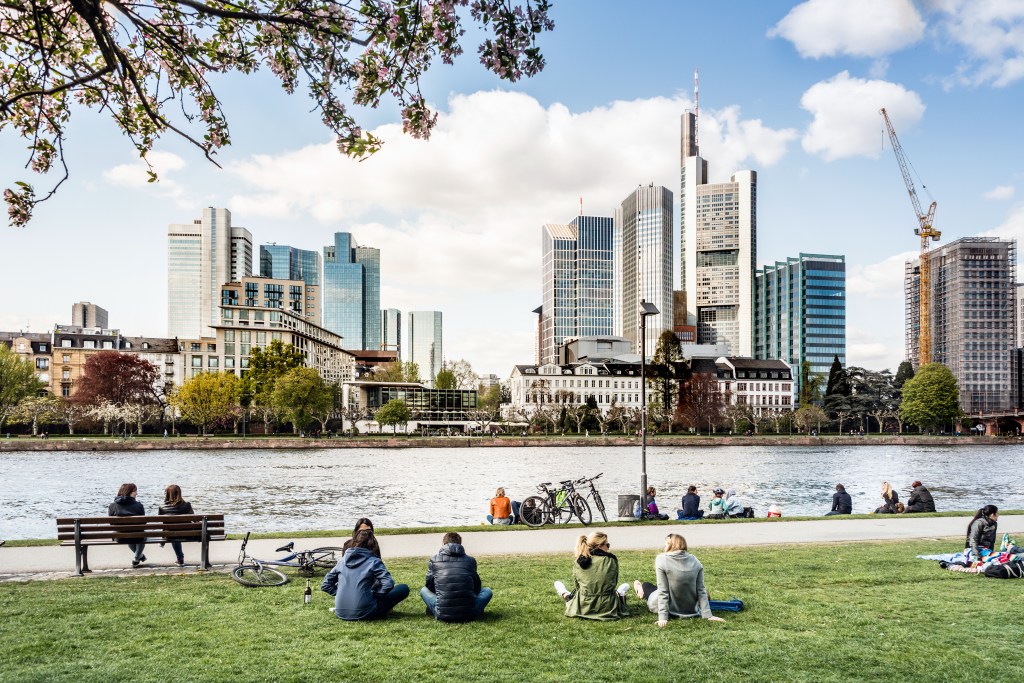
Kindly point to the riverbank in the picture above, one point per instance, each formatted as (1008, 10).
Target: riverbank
(156, 443)
(863, 611)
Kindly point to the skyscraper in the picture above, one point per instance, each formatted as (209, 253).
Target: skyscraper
(973, 318)
(288, 263)
(200, 258)
(85, 314)
(577, 281)
(644, 227)
(351, 292)
(391, 330)
(424, 343)
(717, 248)
(800, 313)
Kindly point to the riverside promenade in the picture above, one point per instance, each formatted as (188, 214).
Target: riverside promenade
(51, 562)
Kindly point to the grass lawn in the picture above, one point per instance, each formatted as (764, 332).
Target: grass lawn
(867, 611)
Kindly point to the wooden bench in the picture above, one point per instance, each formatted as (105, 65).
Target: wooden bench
(82, 532)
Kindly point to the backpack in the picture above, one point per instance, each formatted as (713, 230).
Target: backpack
(1009, 570)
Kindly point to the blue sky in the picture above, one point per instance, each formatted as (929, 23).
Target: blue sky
(790, 90)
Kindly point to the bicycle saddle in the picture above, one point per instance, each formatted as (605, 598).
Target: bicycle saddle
(566, 482)
(286, 548)
(546, 483)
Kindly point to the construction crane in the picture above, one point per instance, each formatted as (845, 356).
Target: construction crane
(925, 231)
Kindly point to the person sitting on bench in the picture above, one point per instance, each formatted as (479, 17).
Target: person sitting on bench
(125, 505)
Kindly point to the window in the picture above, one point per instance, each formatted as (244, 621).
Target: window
(212, 362)
(89, 344)
(66, 374)
(108, 344)
(42, 348)
(145, 345)
(194, 346)
(21, 347)
(229, 362)
(65, 391)
(197, 361)
(67, 357)
(212, 348)
(229, 335)
(42, 363)
(66, 343)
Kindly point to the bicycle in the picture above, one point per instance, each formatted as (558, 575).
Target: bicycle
(255, 573)
(555, 506)
(595, 495)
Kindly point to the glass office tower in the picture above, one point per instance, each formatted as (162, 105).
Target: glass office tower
(424, 344)
(351, 292)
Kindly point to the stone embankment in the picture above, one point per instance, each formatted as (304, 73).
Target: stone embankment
(65, 443)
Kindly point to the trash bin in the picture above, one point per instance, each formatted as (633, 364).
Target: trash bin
(626, 503)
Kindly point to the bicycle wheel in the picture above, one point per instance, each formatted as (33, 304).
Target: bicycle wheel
(255, 576)
(563, 513)
(533, 511)
(326, 557)
(582, 509)
(600, 506)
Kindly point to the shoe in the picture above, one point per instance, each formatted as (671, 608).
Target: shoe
(142, 559)
(180, 563)
(622, 590)
(639, 588)
(136, 563)
(562, 591)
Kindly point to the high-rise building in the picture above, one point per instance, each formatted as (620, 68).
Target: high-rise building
(391, 330)
(577, 281)
(351, 292)
(202, 256)
(973, 318)
(717, 248)
(1019, 306)
(423, 344)
(288, 263)
(800, 313)
(85, 314)
(644, 229)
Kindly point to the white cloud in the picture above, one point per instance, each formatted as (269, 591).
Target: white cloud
(135, 175)
(866, 28)
(883, 280)
(991, 32)
(1000, 192)
(1012, 227)
(846, 119)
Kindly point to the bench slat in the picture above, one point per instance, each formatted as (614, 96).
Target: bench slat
(106, 541)
(70, 521)
(155, 533)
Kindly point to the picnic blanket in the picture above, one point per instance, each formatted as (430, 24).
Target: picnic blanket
(962, 561)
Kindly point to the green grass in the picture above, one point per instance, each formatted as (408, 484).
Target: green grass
(866, 611)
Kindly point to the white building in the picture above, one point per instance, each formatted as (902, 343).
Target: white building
(717, 248)
(763, 385)
(608, 382)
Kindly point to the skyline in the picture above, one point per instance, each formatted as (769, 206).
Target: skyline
(471, 202)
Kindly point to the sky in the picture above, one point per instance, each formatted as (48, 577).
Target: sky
(790, 90)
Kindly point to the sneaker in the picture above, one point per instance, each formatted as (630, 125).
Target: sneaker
(180, 563)
(562, 591)
(136, 563)
(622, 590)
(142, 559)
(639, 588)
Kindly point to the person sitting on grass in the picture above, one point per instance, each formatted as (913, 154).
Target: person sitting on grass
(126, 505)
(360, 583)
(453, 592)
(842, 503)
(595, 575)
(734, 506)
(652, 506)
(920, 499)
(981, 533)
(501, 508)
(691, 505)
(717, 507)
(363, 524)
(890, 500)
(174, 504)
(680, 591)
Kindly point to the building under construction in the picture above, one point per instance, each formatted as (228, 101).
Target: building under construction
(973, 319)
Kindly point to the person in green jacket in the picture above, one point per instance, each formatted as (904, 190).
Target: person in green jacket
(595, 575)
(680, 591)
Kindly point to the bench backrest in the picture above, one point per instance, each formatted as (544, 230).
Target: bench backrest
(162, 526)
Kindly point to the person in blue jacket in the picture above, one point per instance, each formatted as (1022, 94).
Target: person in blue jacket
(360, 583)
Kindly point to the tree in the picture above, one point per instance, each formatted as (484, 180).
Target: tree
(118, 378)
(665, 371)
(17, 381)
(839, 406)
(837, 380)
(931, 398)
(702, 404)
(445, 380)
(393, 413)
(208, 398)
(578, 414)
(35, 409)
(904, 372)
(810, 384)
(397, 371)
(737, 413)
(148, 65)
(809, 417)
(266, 366)
(299, 394)
(71, 413)
(608, 418)
(465, 376)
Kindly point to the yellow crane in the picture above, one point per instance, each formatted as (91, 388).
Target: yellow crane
(925, 231)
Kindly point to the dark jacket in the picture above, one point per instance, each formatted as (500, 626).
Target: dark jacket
(920, 500)
(125, 506)
(452, 576)
(183, 508)
(691, 505)
(842, 503)
(981, 534)
(889, 505)
(356, 581)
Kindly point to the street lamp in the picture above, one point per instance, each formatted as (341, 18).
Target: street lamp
(646, 309)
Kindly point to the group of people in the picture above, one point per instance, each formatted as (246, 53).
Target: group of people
(920, 500)
(126, 504)
(722, 504)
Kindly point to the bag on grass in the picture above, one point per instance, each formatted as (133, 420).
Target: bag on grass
(731, 605)
(1009, 570)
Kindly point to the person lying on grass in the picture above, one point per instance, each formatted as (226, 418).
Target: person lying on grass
(680, 591)
(595, 574)
(453, 592)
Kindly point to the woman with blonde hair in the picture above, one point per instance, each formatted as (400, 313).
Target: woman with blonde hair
(890, 500)
(501, 508)
(680, 591)
(595, 575)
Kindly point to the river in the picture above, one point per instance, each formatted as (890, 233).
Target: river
(277, 490)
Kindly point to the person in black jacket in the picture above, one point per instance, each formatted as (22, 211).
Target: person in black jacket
(125, 505)
(691, 505)
(842, 503)
(453, 591)
(175, 505)
(920, 499)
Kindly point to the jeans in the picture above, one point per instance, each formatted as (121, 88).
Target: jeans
(482, 598)
(504, 521)
(387, 601)
(137, 548)
(836, 512)
(178, 554)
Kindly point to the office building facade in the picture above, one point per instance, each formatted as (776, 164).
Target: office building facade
(85, 314)
(424, 343)
(288, 263)
(391, 331)
(717, 248)
(800, 313)
(645, 261)
(351, 292)
(973, 319)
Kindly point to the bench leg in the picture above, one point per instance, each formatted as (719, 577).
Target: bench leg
(82, 561)
(205, 561)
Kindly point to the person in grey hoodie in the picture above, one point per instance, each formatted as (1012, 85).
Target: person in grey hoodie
(125, 505)
(360, 583)
(680, 591)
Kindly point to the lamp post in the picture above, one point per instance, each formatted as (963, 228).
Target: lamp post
(646, 309)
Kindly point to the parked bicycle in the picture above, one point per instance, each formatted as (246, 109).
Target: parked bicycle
(256, 573)
(555, 506)
(594, 494)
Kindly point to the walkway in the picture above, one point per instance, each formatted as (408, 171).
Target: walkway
(57, 562)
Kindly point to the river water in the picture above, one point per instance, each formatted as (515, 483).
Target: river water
(277, 490)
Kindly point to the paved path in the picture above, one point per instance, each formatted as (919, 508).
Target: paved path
(57, 562)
